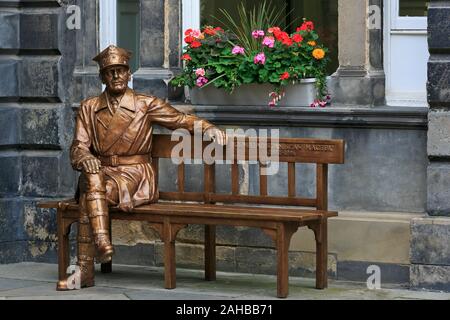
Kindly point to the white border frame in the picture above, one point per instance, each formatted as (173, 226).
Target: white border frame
(191, 14)
(108, 23)
(395, 25)
(108, 27)
(405, 23)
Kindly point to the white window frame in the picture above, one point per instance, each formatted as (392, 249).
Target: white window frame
(108, 23)
(108, 27)
(405, 23)
(191, 14)
(397, 25)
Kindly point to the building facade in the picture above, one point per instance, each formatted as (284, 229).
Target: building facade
(392, 193)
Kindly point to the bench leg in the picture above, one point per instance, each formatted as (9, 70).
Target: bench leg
(322, 255)
(170, 232)
(284, 235)
(63, 245)
(169, 265)
(210, 253)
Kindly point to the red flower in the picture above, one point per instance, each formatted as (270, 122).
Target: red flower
(189, 39)
(281, 35)
(287, 41)
(285, 76)
(306, 26)
(218, 29)
(186, 57)
(188, 32)
(196, 44)
(297, 38)
(210, 31)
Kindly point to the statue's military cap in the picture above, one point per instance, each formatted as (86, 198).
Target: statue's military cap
(113, 56)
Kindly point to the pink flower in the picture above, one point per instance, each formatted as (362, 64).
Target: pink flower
(258, 34)
(260, 58)
(319, 103)
(200, 72)
(269, 41)
(238, 50)
(196, 33)
(201, 81)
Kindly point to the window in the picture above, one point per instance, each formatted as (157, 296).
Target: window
(119, 25)
(406, 52)
(323, 12)
(128, 29)
(413, 8)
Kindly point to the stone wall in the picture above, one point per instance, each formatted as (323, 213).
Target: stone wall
(430, 246)
(43, 74)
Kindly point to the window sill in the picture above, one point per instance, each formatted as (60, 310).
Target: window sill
(355, 116)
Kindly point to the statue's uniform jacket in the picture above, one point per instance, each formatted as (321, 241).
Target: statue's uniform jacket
(127, 132)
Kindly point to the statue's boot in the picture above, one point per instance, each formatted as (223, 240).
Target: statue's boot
(85, 255)
(97, 209)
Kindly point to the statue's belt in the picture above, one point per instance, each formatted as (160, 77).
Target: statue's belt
(115, 161)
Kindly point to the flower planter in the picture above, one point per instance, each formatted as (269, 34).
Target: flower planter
(298, 95)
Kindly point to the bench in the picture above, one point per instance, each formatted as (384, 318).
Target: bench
(278, 217)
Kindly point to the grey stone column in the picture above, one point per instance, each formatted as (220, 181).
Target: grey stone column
(160, 40)
(86, 74)
(38, 56)
(360, 79)
(430, 247)
(439, 114)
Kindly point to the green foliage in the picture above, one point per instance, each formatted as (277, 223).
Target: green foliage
(258, 18)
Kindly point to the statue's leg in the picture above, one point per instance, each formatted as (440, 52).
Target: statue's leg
(85, 253)
(97, 208)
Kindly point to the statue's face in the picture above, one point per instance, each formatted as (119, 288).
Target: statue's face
(116, 79)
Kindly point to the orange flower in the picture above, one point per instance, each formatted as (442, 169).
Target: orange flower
(274, 30)
(210, 31)
(312, 43)
(318, 54)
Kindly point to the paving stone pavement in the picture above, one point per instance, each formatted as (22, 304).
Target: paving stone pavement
(35, 281)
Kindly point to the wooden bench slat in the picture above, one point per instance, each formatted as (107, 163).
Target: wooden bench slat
(268, 210)
(235, 179)
(181, 174)
(290, 150)
(214, 197)
(221, 211)
(209, 181)
(322, 187)
(263, 189)
(291, 180)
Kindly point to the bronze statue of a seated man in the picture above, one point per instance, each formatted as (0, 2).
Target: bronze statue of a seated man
(112, 147)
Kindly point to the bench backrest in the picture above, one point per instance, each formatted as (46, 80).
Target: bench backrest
(291, 151)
